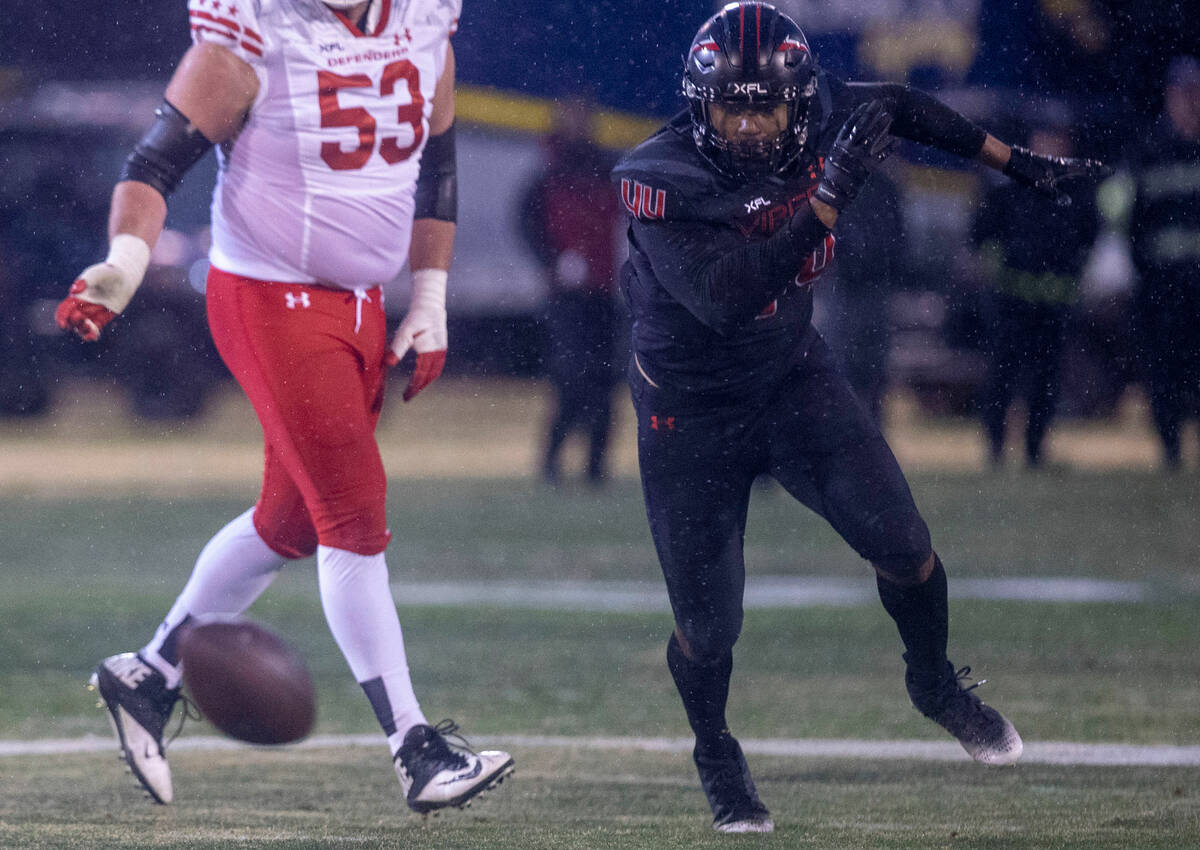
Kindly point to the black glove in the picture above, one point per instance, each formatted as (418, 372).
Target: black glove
(1044, 173)
(861, 145)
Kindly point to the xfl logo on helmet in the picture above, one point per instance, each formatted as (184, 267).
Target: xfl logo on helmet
(749, 89)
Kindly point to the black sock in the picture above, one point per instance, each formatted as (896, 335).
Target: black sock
(169, 651)
(923, 618)
(704, 689)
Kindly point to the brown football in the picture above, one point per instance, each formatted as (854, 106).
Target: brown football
(248, 682)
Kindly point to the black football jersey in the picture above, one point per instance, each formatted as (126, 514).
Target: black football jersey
(719, 307)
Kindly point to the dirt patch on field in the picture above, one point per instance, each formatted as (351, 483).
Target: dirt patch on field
(457, 428)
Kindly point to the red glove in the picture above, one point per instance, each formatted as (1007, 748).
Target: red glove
(424, 330)
(103, 290)
(429, 367)
(85, 318)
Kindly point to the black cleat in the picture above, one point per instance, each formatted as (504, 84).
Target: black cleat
(983, 732)
(435, 774)
(139, 705)
(731, 794)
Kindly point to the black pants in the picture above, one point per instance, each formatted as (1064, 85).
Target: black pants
(1170, 349)
(582, 330)
(1026, 343)
(698, 465)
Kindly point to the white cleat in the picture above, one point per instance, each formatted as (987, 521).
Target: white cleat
(435, 774)
(139, 704)
(755, 823)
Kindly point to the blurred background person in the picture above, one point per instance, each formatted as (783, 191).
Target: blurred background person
(569, 216)
(1034, 285)
(46, 232)
(868, 268)
(1164, 232)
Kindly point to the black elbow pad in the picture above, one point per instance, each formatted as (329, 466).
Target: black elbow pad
(170, 147)
(437, 183)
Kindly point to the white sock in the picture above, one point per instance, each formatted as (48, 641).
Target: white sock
(233, 570)
(362, 616)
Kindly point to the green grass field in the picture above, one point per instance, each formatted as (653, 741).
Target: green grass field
(82, 578)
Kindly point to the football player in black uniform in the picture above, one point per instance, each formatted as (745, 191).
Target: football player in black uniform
(732, 206)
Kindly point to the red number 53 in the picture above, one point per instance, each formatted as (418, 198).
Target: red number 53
(334, 115)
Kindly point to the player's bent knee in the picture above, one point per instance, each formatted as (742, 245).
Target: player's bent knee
(294, 550)
(361, 537)
(292, 541)
(706, 645)
(905, 571)
(901, 547)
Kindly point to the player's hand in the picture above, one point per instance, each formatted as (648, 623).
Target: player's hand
(104, 290)
(423, 330)
(1045, 174)
(78, 312)
(861, 145)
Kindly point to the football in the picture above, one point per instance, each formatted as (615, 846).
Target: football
(247, 681)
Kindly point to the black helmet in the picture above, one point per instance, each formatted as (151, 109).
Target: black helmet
(750, 53)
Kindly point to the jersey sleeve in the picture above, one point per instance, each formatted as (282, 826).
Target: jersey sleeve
(920, 117)
(232, 24)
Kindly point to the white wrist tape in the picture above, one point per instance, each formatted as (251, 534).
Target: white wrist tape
(130, 256)
(429, 288)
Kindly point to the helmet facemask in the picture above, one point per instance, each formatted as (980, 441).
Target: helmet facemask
(752, 158)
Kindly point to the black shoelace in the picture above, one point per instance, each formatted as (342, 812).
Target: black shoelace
(191, 711)
(964, 675)
(440, 748)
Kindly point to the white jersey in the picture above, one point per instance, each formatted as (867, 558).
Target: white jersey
(318, 186)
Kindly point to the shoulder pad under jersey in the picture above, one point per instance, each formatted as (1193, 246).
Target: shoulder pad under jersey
(665, 176)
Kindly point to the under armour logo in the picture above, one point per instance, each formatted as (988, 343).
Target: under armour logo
(295, 300)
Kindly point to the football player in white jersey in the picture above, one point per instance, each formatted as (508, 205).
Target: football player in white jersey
(335, 127)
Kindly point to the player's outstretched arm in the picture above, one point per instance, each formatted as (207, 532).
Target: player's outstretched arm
(206, 102)
(924, 119)
(423, 328)
(1044, 174)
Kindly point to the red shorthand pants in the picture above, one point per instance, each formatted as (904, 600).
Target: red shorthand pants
(310, 358)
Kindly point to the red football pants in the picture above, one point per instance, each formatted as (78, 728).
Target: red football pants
(310, 359)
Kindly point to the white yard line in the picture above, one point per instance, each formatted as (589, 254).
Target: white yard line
(761, 592)
(1036, 752)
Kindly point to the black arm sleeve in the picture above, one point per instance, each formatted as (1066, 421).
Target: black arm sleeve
(722, 280)
(437, 182)
(170, 147)
(922, 118)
